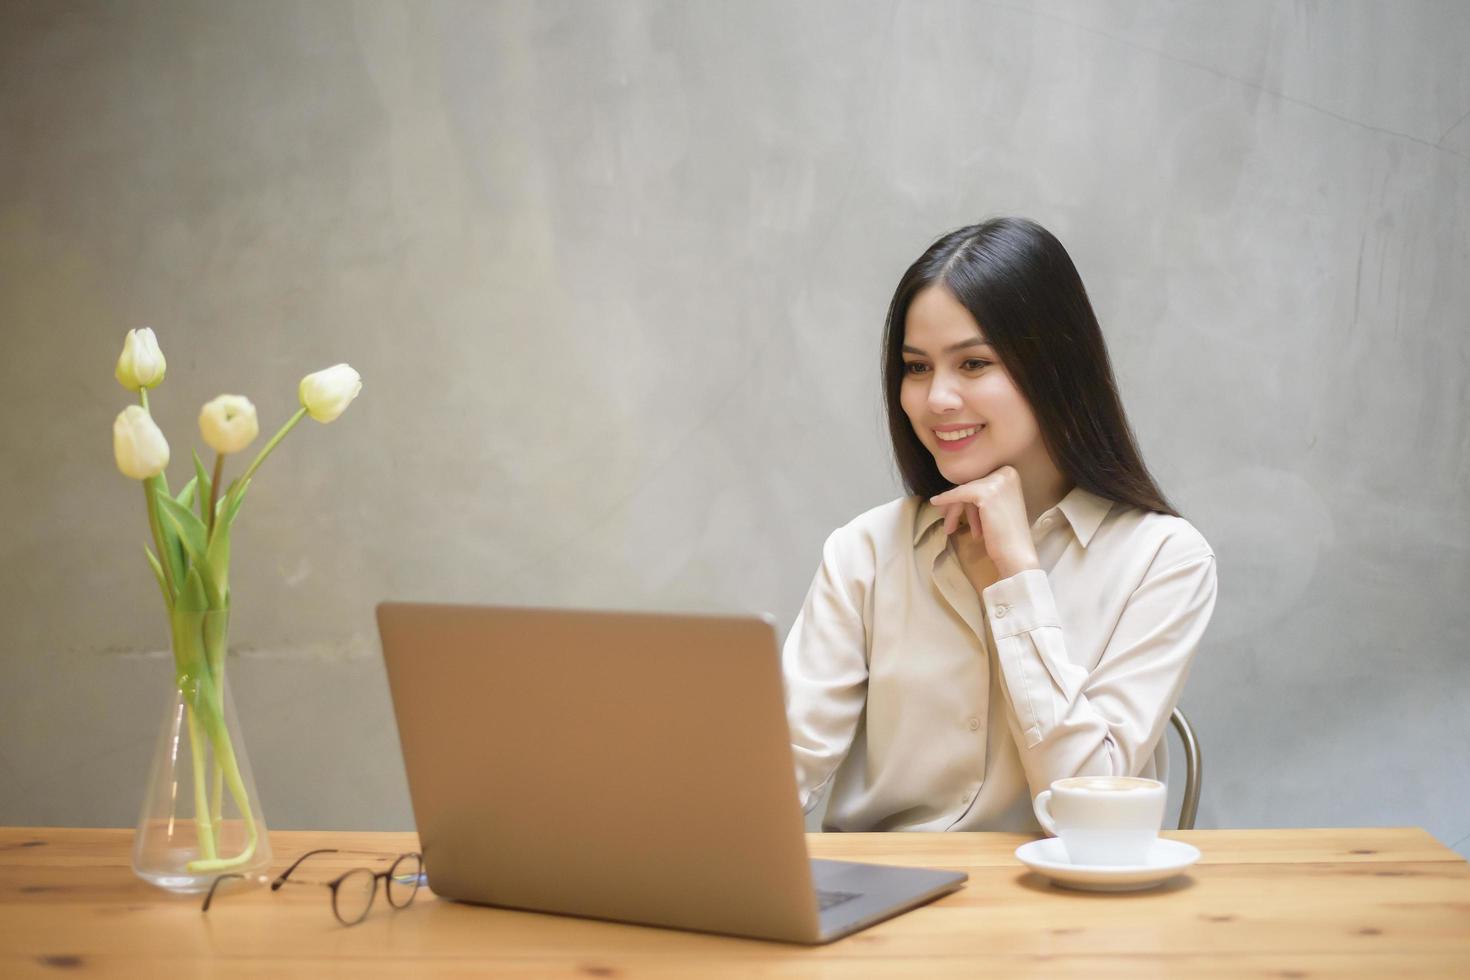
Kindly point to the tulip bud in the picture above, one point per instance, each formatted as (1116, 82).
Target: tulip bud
(138, 444)
(141, 364)
(327, 393)
(228, 423)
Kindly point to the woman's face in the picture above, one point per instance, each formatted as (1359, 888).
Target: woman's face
(954, 385)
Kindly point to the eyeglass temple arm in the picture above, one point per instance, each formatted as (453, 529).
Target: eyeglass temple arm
(281, 878)
(212, 886)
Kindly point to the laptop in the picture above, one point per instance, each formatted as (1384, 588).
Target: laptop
(626, 766)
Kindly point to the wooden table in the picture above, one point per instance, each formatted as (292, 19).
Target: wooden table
(1267, 903)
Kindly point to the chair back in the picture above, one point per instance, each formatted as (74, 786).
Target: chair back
(1192, 770)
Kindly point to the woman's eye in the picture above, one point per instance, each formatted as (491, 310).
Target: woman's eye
(968, 364)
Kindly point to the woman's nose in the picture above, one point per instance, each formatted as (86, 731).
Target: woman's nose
(942, 396)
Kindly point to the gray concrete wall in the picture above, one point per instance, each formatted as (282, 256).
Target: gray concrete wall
(615, 274)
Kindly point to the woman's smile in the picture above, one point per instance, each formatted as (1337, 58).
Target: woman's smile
(953, 440)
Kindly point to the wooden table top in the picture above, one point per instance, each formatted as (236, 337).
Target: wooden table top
(1260, 903)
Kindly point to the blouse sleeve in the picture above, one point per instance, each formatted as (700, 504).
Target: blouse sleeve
(1106, 722)
(825, 669)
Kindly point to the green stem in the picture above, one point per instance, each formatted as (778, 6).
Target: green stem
(216, 791)
(165, 558)
(291, 424)
(219, 471)
(224, 751)
(204, 826)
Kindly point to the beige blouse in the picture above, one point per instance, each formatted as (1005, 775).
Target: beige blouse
(934, 710)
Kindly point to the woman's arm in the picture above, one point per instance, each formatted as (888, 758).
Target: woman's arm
(825, 668)
(1072, 722)
(1069, 721)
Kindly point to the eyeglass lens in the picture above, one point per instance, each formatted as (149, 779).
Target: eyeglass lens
(403, 880)
(353, 896)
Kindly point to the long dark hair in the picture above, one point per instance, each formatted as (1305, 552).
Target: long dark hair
(1020, 285)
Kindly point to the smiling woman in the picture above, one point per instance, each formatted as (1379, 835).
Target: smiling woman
(940, 681)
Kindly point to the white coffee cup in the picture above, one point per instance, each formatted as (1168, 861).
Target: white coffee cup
(1101, 820)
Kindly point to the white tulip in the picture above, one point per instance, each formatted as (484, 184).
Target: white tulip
(138, 444)
(141, 364)
(228, 423)
(327, 393)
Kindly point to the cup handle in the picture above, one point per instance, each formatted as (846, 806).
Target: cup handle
(1042, 806)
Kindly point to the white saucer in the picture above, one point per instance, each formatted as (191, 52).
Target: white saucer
(1166, 858)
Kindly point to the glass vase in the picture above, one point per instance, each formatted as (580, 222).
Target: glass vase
(201, 813)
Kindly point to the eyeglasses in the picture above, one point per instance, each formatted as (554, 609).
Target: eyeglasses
(353, 890)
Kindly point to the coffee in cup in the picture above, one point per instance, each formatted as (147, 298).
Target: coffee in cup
(1103, 820)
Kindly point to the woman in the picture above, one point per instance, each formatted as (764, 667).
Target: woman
(1030, 610)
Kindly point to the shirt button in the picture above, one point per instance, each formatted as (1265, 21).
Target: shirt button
(974, 724)
(1001, 610)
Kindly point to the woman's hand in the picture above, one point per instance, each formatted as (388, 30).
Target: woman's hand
(996, 510)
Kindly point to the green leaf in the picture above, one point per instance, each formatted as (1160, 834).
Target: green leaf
(168, 598)
(186, 495)
(237, 497)
(216, 632)
(202, 478)
(191, 667)
(192, 597)
(218, 563)
(172, 551)
(187, 525)
(195, 541)
(218, 559)
(225, 501)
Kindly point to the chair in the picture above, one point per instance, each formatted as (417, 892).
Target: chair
(1190, 806)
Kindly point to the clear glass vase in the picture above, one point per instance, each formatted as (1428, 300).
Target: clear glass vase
(201, 812)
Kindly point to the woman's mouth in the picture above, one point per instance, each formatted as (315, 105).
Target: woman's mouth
(957, 439)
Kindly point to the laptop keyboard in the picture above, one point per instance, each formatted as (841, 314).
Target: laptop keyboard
(825, 900)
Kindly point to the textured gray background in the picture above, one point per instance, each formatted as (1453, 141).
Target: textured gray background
(615, 275)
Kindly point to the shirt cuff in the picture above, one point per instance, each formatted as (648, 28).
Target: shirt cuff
(1020, 604)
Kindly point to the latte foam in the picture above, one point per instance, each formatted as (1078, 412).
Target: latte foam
(1106, 784)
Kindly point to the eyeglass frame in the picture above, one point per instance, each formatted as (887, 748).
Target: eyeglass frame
(284, 879)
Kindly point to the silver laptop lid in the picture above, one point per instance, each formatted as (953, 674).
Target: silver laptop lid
(618, 765)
